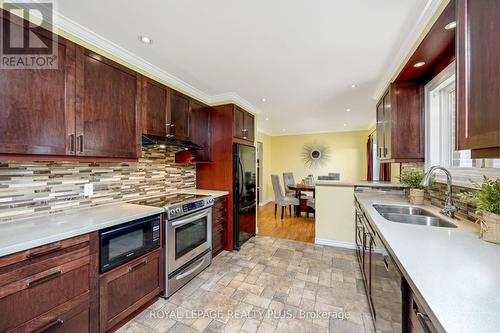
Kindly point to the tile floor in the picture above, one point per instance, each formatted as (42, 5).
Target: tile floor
(271, 285)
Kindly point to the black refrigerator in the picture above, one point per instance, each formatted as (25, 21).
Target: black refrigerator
(244, 194)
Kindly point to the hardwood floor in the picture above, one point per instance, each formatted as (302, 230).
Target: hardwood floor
(294, 228)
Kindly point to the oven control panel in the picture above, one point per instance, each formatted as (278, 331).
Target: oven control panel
(184, 208)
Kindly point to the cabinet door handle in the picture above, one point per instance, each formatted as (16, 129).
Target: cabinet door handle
(385, 151)
(57, 322)
(138, 265)
(168, 129)
(81, 142)
(43, 279)
(172, 130)
(47, 250)
(243, 131)
(423, 319)
(72, 144)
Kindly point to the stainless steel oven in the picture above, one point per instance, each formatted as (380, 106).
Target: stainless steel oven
(188, 237)
(125, 242)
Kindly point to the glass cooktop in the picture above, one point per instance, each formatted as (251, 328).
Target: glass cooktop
(168, 200)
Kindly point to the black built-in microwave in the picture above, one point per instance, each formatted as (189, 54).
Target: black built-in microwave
(124, 242)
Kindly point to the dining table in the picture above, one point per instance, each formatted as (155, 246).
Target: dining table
(299, 188)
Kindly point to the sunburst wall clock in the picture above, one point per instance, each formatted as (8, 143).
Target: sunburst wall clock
(315, 154)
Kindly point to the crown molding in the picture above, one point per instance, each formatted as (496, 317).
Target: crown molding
(417, 33)
(232, 97)
(72, 28)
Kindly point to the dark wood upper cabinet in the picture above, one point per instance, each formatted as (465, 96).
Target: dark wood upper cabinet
(380, 129)
(180, 115)
(249, 126)
(37, 106)
(107, 108)
(400, 123)
(243, 124)
(155, 108)
(478, 77)
(238, 122)
(201, 130)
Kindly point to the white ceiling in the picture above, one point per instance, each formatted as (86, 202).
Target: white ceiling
(300, 55)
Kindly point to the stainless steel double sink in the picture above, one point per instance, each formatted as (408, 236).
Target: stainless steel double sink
(412, 215)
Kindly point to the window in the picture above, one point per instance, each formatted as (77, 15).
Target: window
(440, 126)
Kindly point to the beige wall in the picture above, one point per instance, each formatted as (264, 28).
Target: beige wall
(347, 152)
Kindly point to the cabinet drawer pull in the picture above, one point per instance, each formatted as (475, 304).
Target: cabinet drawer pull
(57, 322)
(138, 265)
(172, 130)
(43, 279)
(44, 251)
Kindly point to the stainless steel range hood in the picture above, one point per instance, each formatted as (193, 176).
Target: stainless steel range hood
(172, 142)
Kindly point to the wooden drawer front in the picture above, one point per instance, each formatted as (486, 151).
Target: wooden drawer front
(72, 316)
(220, 207)
(16, 272)
(218, 238)
(30, 297)
(42, 252)
(127, 288)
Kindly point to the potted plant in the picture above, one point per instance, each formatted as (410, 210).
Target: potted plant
(413, 180)
(487, 201)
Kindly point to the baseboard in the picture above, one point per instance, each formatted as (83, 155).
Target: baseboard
(329, 242)
(344, 245)
(265, 203)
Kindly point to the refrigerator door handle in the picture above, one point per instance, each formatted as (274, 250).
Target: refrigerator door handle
(240, 189)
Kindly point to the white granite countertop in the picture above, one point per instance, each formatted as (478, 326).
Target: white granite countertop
(358, 183)
(212, 193)
(24, 234)
(455, 273)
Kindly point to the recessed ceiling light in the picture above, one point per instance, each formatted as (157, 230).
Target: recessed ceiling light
(345, 124)
(353, 86)
(419, 64)
(284, 129)
(263, 99)
(267, 118)
(145, 39)
(451, 25)
(348, 110)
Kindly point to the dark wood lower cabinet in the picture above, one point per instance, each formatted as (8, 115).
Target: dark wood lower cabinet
(219, 225)
(127, 288)
(50, 288)
(418, 320)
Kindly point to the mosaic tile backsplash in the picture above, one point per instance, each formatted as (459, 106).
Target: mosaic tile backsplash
(37, 188)
(438, 193)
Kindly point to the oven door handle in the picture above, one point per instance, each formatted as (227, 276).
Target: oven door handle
(189, 272)
(191, 219)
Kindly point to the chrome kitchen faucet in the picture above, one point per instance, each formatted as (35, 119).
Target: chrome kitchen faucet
(449, 209)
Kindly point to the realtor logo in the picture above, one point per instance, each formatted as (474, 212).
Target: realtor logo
(24, 44)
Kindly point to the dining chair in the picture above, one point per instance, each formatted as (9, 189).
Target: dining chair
(311, 203)
(288, 180)
(280, 198)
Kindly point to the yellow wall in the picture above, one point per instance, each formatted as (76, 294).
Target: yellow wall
(347, 152)
(334, 215)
